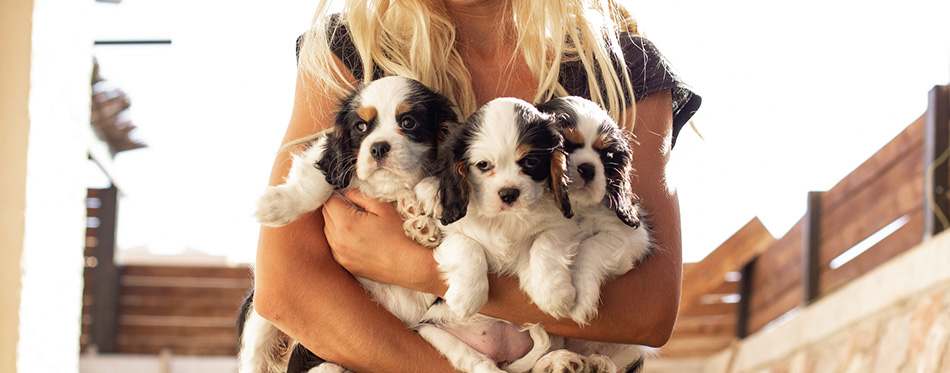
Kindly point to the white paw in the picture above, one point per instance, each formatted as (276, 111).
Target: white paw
(600, 364)
(585, 308)
(487, 367)
(407, 205)
(424, 230)
(561, 361)
(276, 208)
(427, 197)
(557, 301)
(463, 302)
(327, 368)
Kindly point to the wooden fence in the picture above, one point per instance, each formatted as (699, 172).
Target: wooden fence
(883, 208)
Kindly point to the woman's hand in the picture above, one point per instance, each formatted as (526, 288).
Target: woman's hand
(373, 244)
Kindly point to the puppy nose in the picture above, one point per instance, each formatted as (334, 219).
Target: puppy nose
(379, 150)
(587, 171)
(509, 195)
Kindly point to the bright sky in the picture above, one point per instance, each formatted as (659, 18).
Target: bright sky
(795, 96)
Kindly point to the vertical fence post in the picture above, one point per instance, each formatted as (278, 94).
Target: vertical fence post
(744, 308)
(106, 292)
(811, 256)
(936, 139)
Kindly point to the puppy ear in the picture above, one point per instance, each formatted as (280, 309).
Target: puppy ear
(620, 196)
(452, 171)
(559, 182)
(338, 162)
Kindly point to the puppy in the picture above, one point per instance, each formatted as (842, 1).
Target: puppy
(384, 140)
(505, 208)
(612, 238)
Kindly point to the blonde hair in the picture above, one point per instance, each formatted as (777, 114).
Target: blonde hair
(417, 39)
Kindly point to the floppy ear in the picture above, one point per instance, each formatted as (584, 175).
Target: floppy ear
(559, 182)
(620, 196)
(452, 171)
(338, 161)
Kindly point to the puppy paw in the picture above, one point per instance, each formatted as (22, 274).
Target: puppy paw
(327, 368)
(487, 367)
(561, 361)
(423, 230)
(407, 205)
(465, 303)
(557, 301)
(585, 306)
(276, 208)
(427, 196)
(600, 364)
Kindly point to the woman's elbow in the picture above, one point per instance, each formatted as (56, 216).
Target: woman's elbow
(662, 329)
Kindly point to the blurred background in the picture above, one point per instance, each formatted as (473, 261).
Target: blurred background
(191, 99)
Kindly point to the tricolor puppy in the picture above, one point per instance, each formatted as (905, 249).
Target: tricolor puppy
(505, 208)
(383, 141)
(612, 239)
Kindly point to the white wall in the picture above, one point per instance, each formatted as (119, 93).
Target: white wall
(60, 65)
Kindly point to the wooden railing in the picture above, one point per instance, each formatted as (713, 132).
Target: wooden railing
(883, 208)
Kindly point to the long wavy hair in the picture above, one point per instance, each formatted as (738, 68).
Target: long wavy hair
(417, 39)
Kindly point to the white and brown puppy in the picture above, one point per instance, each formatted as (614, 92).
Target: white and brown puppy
(612, 238)
(384, 140)
(505, 208)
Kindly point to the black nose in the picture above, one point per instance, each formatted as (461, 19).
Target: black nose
(509, 195)
(587, 171)
(379, 150)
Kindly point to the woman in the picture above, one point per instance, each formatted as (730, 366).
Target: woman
(472, 51)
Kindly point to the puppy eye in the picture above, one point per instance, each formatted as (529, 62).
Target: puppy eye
(483, 166)
(529, 162)
(408, 123)
(361, 126)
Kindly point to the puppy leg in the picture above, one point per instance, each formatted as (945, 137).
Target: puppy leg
(262, 347)
(609, 253)
(465, 268)
(547, 276)
(305, 189)
(461, 355)
(327, 368)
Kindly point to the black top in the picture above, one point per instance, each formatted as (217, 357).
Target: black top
(649, 71)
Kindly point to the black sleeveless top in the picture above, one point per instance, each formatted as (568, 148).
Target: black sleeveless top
(649, 71)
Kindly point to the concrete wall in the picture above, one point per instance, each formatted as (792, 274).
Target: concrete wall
(45, 66)
(896, 318)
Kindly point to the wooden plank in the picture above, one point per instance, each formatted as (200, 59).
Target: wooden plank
(200, 282)
(786, 302)
(936, 142)
(713, 309)
(870, 218)
(900, 241)
(224, 294)
(182, 301)
(700, 326)
(170, 309)
(909, 139)
(186, 350)
(811, 241)
(179, 332)
(695, 346)
(778, 269)
(182, 271)
(710, 273)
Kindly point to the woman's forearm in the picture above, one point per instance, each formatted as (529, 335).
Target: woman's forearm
(303, 292)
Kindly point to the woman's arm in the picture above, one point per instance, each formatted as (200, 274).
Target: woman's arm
(300, 288)
(638, 307)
